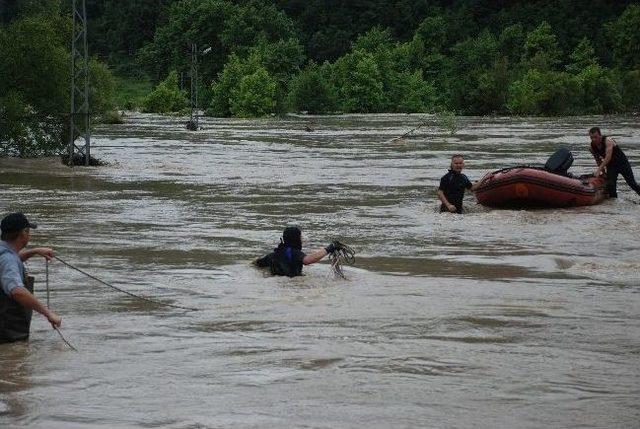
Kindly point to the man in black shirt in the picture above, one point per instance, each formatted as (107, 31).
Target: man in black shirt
(452, 186)
(288, 258)
(608, 155)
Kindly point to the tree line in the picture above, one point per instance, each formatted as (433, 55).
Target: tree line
(467, 56)
(477, 57)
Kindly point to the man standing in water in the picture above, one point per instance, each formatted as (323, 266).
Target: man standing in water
(608, 155)
(16, 295)
(452, 186)
(288, 258)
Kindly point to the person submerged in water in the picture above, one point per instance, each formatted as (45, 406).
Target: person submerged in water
(288, 258)
(452, 186)
(609, 156)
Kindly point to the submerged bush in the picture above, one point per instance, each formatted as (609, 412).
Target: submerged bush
(544, 92)
(598, 91)
(310, 91)
(166, 97)
(631, 90)
(255, 95)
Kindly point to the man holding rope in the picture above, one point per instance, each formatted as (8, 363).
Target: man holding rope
(16, 296)
(288, 258)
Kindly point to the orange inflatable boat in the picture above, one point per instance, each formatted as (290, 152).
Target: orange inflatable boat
(532, 187)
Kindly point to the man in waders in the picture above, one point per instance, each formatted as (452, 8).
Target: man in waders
(16, 287)
(608, 155)
(452, 186)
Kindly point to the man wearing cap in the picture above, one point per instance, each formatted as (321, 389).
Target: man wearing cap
(16, 288)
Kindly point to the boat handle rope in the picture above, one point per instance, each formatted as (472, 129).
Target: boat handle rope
(165, 304)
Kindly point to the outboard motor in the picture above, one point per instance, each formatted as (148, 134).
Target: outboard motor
(559, 162)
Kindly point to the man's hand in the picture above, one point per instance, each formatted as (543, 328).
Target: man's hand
(54, 319)
(333, 246)
(451, 208)
(45, 252)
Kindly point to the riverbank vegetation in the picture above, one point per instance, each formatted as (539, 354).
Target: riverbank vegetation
(467, 56)
(35, 79)
(477, 57)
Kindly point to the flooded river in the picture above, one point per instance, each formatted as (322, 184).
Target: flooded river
(493, 319)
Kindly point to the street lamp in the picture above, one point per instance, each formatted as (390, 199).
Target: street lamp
(193, 123)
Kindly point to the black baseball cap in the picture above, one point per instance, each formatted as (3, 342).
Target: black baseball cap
(15, 222)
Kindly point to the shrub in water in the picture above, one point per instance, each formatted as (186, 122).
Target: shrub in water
(166, 97)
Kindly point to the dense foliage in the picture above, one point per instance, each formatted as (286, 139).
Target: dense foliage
(537, 57)
(166, 97)
(35, 71)
(468, 56)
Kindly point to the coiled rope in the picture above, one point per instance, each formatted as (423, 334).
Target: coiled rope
(342, 255)
(125, 291)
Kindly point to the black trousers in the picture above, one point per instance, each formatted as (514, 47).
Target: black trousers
(621, 166)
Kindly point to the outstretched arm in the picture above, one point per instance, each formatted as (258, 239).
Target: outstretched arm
(45, 252)
(315, 256)
(26, 299)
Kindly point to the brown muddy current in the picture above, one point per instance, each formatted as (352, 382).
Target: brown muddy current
(493, 319)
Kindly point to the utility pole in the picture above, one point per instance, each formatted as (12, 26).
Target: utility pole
(193, 124)
(193, 119)
(80, 124)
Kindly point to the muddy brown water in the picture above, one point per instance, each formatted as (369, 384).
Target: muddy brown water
(494, 319)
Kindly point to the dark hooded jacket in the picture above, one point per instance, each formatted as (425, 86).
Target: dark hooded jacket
(286, 259)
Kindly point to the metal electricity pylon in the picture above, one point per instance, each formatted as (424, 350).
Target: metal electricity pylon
(193, 124)
(80, 124)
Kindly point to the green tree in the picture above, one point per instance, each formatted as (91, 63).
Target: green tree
(224, 25)
(471, 59)
(118, 29)
(544, 93)
(409, 93)
(583, 56)
(599, 93)
(311, 91)
(34, 58)
(625, 38)
(511, 42)
(358, 82)
(255, 95)
(541, 50)
(34, 100)
(166, 97)
(433, 31)
(283, 60)
(631, 90)
(234, 70)
(11, 10)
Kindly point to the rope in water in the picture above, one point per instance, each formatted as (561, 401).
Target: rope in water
(124, 291)
(55, 327)
(342, 255)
